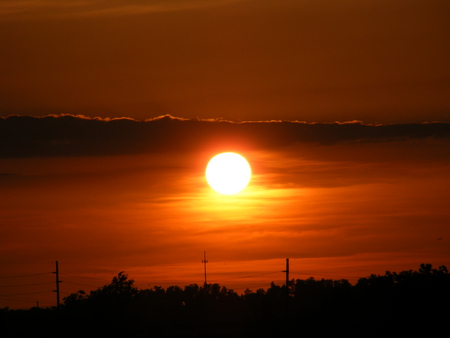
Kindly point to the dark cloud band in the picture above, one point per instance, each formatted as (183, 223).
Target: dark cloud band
(68, 135)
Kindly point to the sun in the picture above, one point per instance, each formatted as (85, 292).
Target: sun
(228, 173)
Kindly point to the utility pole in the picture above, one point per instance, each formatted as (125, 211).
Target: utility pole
(204, 261)
(287, 272)
(57, 286)
(287, 279)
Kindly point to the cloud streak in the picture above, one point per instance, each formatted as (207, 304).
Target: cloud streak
(96, 8)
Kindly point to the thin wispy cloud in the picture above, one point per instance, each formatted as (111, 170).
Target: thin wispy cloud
(59, 9)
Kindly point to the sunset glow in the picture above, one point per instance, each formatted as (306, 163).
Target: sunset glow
(135, 135)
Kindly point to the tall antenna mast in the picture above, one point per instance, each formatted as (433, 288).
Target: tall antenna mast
(204, 261)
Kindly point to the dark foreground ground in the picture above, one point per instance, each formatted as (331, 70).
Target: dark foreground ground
(395, 304)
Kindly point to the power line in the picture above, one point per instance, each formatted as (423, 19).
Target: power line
(65, 293)
(22, 300)
(29, 293)
(218, 278)
(316, 274)
(65, 274)
(263, 274)
(13, 286)
(36, 274)
(94, 286)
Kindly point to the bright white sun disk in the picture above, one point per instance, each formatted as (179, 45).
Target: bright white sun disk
(228, 173)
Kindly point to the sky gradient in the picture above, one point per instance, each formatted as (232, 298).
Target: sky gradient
(111, 110)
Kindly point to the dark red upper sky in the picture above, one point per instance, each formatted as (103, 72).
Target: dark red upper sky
(374, 60)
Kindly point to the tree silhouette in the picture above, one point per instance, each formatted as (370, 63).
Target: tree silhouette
(393, 302)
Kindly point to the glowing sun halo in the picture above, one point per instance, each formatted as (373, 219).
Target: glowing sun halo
(228, 173)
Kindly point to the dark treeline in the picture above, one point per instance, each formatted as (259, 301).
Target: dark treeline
(391, 304)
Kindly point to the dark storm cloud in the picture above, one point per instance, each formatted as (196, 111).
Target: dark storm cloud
(68, 135)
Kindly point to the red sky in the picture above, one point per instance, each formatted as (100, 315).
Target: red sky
(341, 200)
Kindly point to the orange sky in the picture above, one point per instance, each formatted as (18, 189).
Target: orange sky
(341, 200)
(341, 207)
